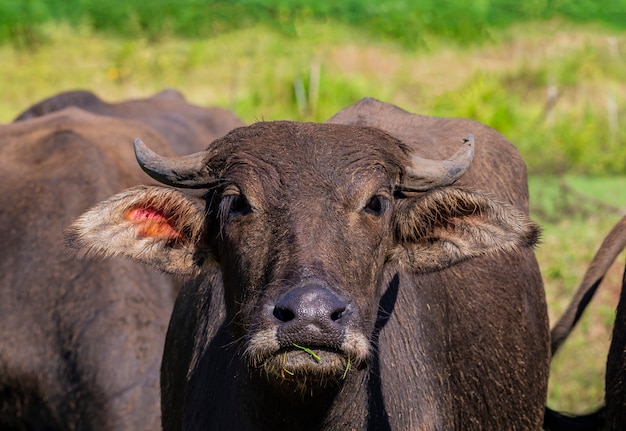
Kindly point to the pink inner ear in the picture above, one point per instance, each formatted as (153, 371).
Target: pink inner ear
(151, 223)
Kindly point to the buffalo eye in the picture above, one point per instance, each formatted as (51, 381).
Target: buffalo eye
(376, 205)
(234, 203)
(239, 205)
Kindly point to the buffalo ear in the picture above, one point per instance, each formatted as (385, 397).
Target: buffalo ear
(449, 225)
(159, 226)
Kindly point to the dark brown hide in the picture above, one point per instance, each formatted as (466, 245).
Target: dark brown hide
(82, 340)
(187, 127)
(423, 311)
(502, 308)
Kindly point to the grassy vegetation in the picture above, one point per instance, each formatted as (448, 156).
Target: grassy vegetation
(576, 212)
(558, 94)
(555, 89)
(407, 22)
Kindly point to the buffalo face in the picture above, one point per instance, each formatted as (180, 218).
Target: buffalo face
(301, 232)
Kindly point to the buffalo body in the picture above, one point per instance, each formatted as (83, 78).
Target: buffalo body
(331, 287)
(81, 340)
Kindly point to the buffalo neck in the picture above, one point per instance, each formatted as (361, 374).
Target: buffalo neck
(335, 406)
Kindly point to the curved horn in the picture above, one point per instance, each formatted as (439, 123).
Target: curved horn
(186, 171)
(426, 174)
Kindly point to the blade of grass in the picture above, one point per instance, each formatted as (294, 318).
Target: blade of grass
(309, 351)
(345, 373)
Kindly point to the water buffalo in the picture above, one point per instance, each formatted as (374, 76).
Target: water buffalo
(357, 274)
(187, 127)
(81, 340)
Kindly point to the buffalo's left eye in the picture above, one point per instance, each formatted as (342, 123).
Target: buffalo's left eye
(376, 205)
(238, 205)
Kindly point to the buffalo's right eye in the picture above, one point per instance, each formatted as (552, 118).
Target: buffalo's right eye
(238, 205)
(233, 204)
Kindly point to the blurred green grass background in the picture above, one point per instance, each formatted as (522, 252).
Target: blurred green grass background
(550, 75)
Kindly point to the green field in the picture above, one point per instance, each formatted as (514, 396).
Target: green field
(551, 76)
(575, 213)
(555, 90)
(407, 22)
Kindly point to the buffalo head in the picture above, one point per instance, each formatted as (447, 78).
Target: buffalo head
(302, 220)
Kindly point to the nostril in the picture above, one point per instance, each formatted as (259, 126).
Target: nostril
(283, 314)
(338, 314)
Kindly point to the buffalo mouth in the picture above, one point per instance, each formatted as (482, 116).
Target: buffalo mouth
(307, 364)
(300, 363)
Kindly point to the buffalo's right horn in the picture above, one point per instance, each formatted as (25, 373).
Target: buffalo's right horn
(182, 171)
(426, 174)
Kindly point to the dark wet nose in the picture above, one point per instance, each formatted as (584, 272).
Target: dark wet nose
(311, 313)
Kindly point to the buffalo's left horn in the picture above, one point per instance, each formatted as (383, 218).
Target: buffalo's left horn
(426, 174)
(183, 171)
